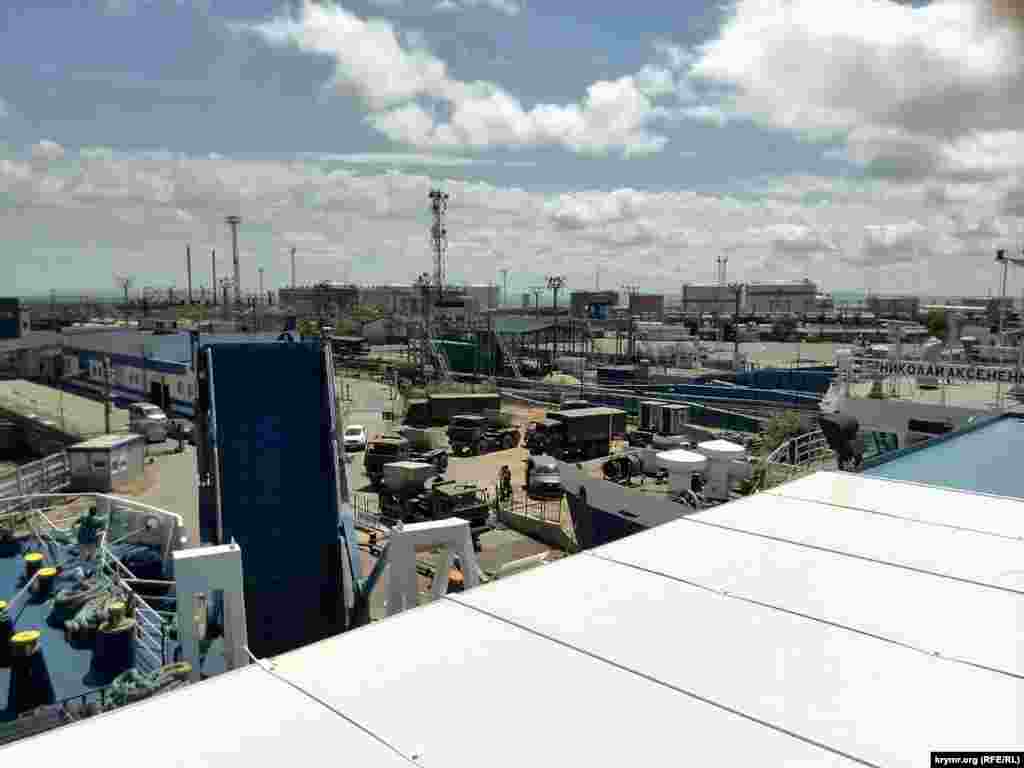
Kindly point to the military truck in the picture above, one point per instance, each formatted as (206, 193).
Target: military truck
(585, 433)
(441, 408)
(473, 434)
(414, 491)
(393, 447)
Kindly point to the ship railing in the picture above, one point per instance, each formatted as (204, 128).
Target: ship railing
(45, 475)
(799, 456)
(44, 515)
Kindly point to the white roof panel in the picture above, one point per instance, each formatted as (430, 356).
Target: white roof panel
(245, 718)
(895, 603)
(999, 515)
(962, 554)
(866, 698)
(464, 689)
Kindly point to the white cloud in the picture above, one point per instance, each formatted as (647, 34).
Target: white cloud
(916, 92)
(508, 7)
(372, 226)
(446, 5)
(707, 113)
(387, 3)
(395, 82)
(400, 158)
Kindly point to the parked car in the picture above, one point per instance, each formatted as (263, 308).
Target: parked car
(148, 420)
(543, 478)
(355, 438)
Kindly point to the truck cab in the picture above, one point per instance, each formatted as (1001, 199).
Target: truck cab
(394, 447)
(466, 431)
(449, 498)
(544, 434)
(384, 450)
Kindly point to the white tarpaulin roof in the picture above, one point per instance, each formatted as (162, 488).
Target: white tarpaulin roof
(861, 622)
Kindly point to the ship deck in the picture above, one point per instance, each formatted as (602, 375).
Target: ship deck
(831, 621)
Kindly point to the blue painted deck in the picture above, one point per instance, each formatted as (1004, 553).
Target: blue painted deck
(68, 667)
(985, 459)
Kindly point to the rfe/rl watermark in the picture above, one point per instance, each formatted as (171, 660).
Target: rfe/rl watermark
(977, 758)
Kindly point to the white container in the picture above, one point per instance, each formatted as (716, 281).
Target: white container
(404, 475)
(681, 466)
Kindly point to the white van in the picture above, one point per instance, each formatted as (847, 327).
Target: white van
(148, 420)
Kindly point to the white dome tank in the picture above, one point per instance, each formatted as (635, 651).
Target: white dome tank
(681, 466)
(721, 449)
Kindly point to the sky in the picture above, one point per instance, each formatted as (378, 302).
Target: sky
(864, 144)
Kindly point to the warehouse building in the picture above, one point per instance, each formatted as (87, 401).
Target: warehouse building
(764, 298)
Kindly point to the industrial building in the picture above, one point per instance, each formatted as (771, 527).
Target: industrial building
(594, 305)
(894, 306)
(764, 298)
(14, 319)
(329, 298)
(647, 306)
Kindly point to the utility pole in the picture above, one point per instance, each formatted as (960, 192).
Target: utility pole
(233, 222)
(293, 266)
(737, 289)
(261, 284)
(536, 298)
(106, 393)
(213, 264)
(555, 283)
(631, 291)
(504, 288)
(188, 271)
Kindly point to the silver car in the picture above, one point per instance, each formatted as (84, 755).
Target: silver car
(148, 420)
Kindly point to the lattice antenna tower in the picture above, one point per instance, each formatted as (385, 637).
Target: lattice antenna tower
(439, 237)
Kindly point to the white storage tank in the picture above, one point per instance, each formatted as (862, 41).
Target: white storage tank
(722, 458)
(681, 466)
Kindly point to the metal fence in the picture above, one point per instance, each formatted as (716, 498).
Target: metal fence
(523, 505)
(43, 476)
(366, 507)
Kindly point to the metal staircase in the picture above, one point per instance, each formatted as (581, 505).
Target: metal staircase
(513, 363)
(440, 360)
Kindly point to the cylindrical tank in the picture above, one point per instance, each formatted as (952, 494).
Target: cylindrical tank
(681, 466)
(720, 454)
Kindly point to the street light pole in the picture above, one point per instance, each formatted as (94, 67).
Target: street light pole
(555, 283)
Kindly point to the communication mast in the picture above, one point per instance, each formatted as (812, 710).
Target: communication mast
(439, 237)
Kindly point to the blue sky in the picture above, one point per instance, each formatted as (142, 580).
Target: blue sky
(871, 145)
